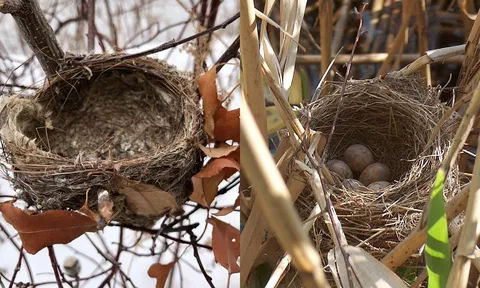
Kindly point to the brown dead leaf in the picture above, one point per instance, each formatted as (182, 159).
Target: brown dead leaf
(38, 231)
(215, 166)
(160, 272)
(207, 87)
(205, 189)
(229, 209)
(227, 125)
(221, 151)
(205, 182)
(225, 244)
(144, 199)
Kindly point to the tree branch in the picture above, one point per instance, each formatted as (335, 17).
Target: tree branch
(35, 31)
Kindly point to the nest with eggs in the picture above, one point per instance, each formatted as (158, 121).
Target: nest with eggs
(135, 119)
(394, 117)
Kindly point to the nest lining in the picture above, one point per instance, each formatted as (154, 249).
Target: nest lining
(139, 119)
(394, 117)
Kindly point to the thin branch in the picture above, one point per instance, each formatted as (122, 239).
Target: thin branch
(20, 250)
(117, 257)
(231, 52)
(164, 46)
(91, 26)
(17, 268)
(197, 257)
(53, 260)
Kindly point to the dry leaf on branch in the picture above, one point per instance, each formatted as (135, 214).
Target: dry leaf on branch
(217, 152)
(38, 231)
(160, 272)
(225, 244)
(207, 87)
(227, 125)
(144, 199)
(229, 209)
(205, 182)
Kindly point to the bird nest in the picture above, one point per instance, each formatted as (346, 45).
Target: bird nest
(136, 119)
(394, 118)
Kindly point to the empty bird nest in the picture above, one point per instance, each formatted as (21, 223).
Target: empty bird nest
(394, 117)
(126, 127)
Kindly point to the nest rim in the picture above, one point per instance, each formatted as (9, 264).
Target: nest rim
(28, 161)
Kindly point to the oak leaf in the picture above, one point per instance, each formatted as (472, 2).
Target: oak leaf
(227, 125)
(229, 209)
(144, 199)
(225, 244)
(38, 231)
(207, 87)
(205, 183)
(160, 272)
(217, 152)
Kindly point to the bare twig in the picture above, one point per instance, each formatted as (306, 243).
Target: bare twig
(164, 46)
(53, 260)
(193, 239)
(20, 250)
(231, 52)
(91, 26)
(117, 257)
(17, 268)
(342, 92)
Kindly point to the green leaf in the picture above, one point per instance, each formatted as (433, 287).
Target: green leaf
(438, 257)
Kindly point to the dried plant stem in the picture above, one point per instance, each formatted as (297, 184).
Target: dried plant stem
(458, 276)
(340, 27)
(432, 56)
(308, 59)
(283, 264)
(421, 15)
(277, 204)
(408, 7)
(344, 84)
(326, 24)
(463, 130)
(257, 232)
(416, 239)
(377, 7)
(251, 66)
(469, 76)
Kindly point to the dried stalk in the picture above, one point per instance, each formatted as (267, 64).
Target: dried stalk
(340, 26)
(421, 15)
(308, 59)
(407, 13)
(283, 264)
(325, 9)
(417, 238)
(251, 66)
(432, 56)
(276, 202)
(458, 276)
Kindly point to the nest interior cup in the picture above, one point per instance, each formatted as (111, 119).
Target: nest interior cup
(394, 118)
(139, 119)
